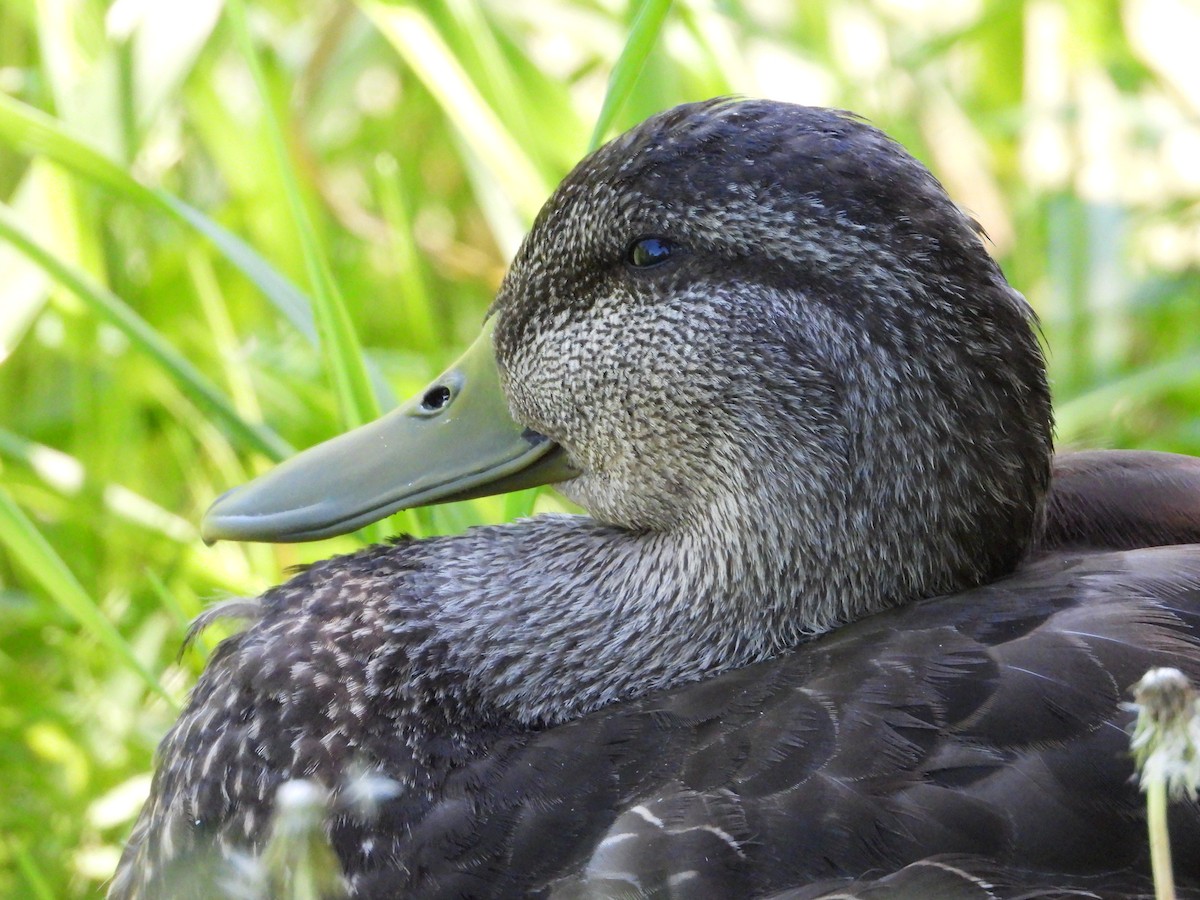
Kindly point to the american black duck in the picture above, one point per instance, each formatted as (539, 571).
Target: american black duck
(837, 621)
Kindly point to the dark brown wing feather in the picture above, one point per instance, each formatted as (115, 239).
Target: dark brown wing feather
(952, 877)
(988, 724)
(1122, 499)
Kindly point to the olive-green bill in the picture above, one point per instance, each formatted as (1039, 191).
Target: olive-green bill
(455, 441)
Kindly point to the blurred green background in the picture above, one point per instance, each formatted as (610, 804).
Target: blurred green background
(178, 179)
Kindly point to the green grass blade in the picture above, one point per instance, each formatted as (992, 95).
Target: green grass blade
(416, 40)
(340, 347)
(24, 287)
(291, 302)
(643, 35)
(30, 550)
(179, 616)
(477, 43)
(68, 477)
(415, 302)
(519, 505)
(34, 879)
(238, 380)
(1074, 417)
(113, 310)
(32, 131)
(520, 94)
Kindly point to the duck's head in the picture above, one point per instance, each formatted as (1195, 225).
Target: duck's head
(744, 319)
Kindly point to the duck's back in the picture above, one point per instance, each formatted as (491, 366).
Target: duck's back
(987, 724)
(970, 745)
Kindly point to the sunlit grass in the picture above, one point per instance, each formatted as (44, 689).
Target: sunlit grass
(179, 180)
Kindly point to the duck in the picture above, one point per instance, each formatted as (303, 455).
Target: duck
(837, 621)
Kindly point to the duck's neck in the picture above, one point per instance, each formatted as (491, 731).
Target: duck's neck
(547, 619)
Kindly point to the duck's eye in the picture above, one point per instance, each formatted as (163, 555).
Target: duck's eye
(644, 253)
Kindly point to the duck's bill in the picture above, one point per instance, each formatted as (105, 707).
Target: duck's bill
(455, 441)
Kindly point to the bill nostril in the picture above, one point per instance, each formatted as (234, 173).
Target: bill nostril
(436, 398)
